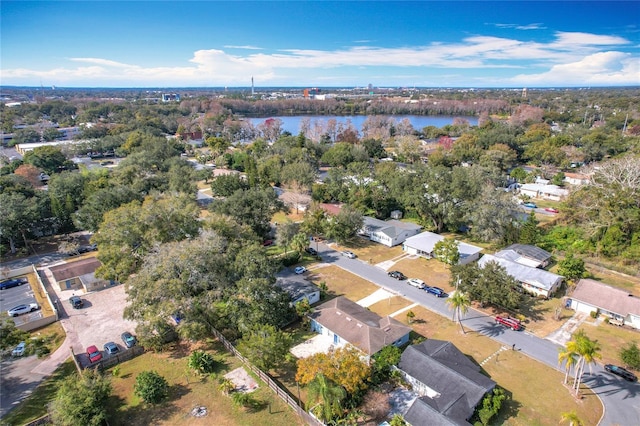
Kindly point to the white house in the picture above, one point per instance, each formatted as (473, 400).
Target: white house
(533, 280)
(546, 192)
(526, 254)
(576, 178)
(388, 232)
(424, 243)
(590, 296)
(299, 289)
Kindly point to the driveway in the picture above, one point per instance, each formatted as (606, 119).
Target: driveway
(621, 399)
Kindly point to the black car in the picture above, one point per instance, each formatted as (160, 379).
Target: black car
(397, 275)
(13, 282)
(622, 372)
(129, 339)
(76, 302)
(311, 251)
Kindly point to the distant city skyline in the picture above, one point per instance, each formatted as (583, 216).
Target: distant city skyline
(320, 44)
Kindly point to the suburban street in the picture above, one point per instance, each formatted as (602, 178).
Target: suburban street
(621, 399)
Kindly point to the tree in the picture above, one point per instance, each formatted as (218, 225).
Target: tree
(10, 335)
(327, 396)
(529, 232)
(383, 361)
(460, 303)
(19, 213)
(491, 405)
(265, 346)
(345, 225)
(303, 309)
(446, 251)
(81, 400)
(254, 207)
(488, 284)
(314, 221)
(572, 268)
(630, 355)
(299, 175)
(570, 359)
(343, 366)
(588, 350)
(47, 158)
(226, 185)
(410, 316)
(151, 387)
(285, 233)
(572, 418)
(397, 420)
(492, 217)
(201, 362)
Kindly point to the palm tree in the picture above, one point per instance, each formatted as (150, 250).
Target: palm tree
(460, 303)
(572, 418)
(329, 394)
(569, 356)
(588, 350)
(226, 386)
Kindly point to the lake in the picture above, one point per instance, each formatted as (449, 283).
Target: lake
(291, 124)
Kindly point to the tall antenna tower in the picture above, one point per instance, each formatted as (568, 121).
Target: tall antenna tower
(524, 93)
(252, 91)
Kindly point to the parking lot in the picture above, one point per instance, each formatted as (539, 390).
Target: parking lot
(20, 295)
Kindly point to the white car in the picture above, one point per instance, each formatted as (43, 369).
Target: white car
(416, 282)
(23, 309)
(19, 350)
(300, 270)
(349, 254)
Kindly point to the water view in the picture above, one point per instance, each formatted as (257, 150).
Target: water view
(291, 124)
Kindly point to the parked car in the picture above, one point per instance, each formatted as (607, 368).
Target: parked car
(111, 348)
(267, 243)
(512, 323)
(349, 254)
(300, 270)
(530, 205)
(13, 282)
(437, 291)
(129, 339)
(87, 249)
(76, 302)
(622, 372)
(19, 350)
(22, 309)
(311, 251)
(93, 353)
(397, 275)
(551, 210)
(416, 282)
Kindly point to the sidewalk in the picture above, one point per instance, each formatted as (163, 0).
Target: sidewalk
(562, 335)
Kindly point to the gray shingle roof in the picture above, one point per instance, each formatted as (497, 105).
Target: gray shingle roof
(442, 367)
(526, 274)
(530, 251)
(390, 228)
(75, 269)
(606, 297)
(362, 328)
(296, 289)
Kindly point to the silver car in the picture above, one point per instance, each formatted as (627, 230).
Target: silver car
(22, 309)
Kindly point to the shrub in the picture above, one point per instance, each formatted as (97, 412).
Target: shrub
(151, 387)
(630, 355)
(594, 314)
(201, 362)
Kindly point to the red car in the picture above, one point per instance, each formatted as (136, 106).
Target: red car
(93, 353)
(551, 210)
(510, 322)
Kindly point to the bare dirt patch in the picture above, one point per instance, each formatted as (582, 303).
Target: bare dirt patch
(342, 283)
(243, 381)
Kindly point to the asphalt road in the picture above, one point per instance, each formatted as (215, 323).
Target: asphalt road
(620, 398)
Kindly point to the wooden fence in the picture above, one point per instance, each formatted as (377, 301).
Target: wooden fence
(294, 403)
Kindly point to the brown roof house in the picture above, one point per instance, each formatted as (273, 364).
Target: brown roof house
(346, 322)
(449, 385)
(591, 295)
(79, 274)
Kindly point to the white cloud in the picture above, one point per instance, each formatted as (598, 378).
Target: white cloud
(248, 47)
(534, 26)
(571, 58)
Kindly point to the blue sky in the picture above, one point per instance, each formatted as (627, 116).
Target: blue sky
(325, 43)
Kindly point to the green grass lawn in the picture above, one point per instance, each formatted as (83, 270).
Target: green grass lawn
(611, 338)
(36, 405)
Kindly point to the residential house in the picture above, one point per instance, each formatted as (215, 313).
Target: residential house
(533, 280)
(79, 274)
(423, 245)
(577, 178)
(542, 191)
(346, 322)
(448, 383)
(388, 232)
(526, 254)
(299, 289)
(590, 295)
(331, 209)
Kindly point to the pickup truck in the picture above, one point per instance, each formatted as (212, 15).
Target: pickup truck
(617, 322)
(510, 322)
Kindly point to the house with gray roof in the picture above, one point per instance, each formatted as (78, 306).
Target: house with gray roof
(423, 245)
(448, 383)
(388, 232)
(346, 322)
(543, 191)
(79, 274)
(299, 289)
(590, 295)
(526, 254)
(533, 280)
